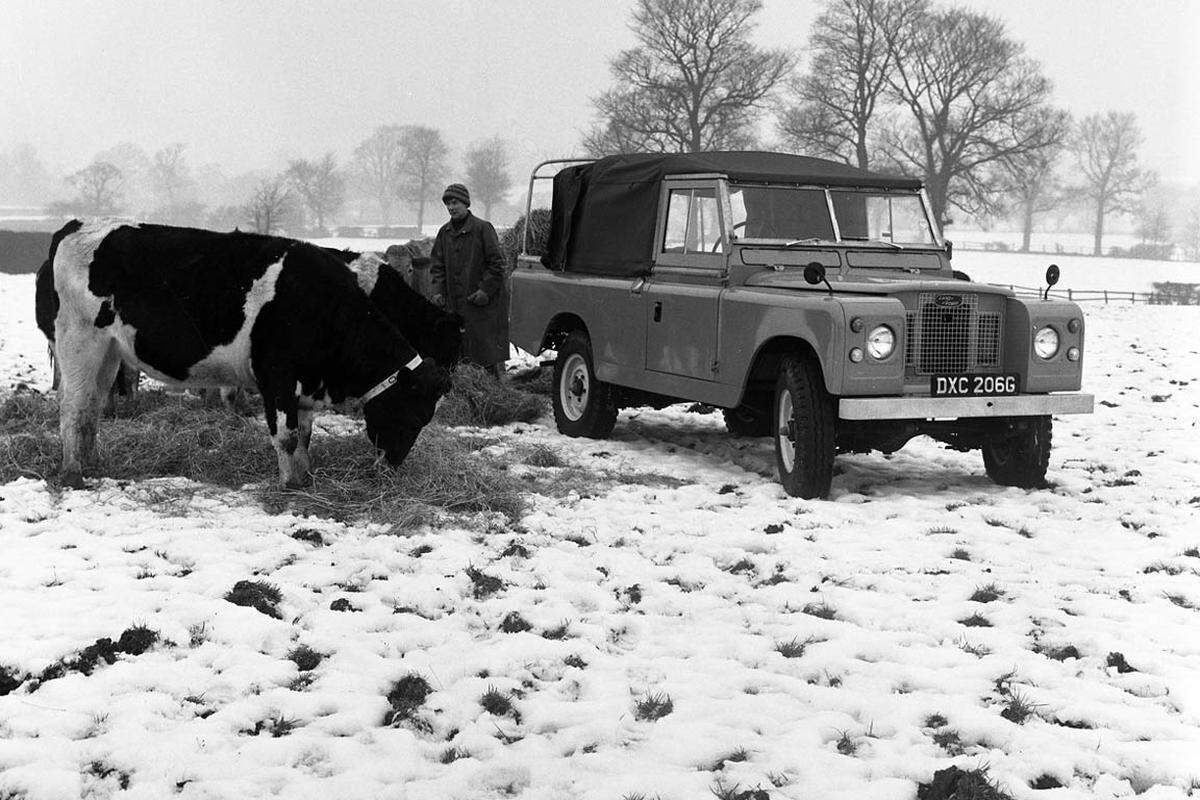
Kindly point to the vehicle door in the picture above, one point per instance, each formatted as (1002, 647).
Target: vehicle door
(682, 294)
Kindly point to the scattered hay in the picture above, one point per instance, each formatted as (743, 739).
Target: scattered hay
(480, 400)
(153, 434)
(443, 471)
(158, 434)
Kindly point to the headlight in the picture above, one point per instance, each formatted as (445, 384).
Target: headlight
(1045, 342)
(881, 342)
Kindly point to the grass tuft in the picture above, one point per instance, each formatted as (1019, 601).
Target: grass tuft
(653, 707)
(558, 632)
(987, 594)
(1118, 662)
(953, 783)
(452, 754)
(1018, 709)
(822, 610)
(259, 595)
(10, 679)
(405, 697)
(795, 648)
(846, 744)
(305, 658)
(496, 702)
(482, 584)
(976, 620)
(513, 622)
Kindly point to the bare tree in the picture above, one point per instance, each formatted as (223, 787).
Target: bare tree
(487, 172)
(837, 98)
(135, 165)
(1106, 147)
(23, 176)
(974, 102)
(1031, 178)
(423, 166)
(99, 187)
(318, 185)
(694, 82)
(169, 176)
(269, 205)
(377, 162)
(1190, 231)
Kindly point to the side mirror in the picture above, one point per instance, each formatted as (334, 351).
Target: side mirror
(949, 250)
(814, 273)
(1051, 279)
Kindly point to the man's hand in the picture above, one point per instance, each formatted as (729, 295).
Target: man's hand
(438, 301)
(479, 297)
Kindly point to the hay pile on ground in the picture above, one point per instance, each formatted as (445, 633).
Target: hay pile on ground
(480, 400)
(157, 434)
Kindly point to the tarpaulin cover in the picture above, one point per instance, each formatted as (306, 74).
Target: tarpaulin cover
(604, 213)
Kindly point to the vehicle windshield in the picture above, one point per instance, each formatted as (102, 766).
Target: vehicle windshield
(802, 215)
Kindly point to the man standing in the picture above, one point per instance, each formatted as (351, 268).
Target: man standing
(466, 271)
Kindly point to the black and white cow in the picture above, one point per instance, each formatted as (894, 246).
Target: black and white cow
(198, 308)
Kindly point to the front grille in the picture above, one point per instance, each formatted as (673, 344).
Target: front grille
(951, 336)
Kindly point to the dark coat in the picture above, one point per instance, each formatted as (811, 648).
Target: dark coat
(466, 260)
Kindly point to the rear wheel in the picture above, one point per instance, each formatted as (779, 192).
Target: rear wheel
(804, 422)
(583, 405)
(1019, 454)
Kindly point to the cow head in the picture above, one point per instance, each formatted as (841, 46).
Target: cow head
(395, 418)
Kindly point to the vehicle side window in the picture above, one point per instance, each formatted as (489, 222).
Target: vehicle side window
(693, 222)
(677, 220)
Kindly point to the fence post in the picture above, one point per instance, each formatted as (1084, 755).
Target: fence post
(1069, 297)
(1106, 297)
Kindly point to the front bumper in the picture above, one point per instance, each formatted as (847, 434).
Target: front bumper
(1026, 405)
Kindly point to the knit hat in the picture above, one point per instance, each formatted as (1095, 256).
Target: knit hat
(458, 192)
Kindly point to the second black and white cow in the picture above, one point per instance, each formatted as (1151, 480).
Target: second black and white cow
(198, 308)
(434, 332)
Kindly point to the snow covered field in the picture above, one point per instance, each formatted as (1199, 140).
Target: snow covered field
(838, 649)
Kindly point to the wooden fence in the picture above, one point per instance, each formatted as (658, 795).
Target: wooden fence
(1165, 293)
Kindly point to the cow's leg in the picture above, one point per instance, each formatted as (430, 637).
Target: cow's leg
(285, 438)
(88, 362)
(305, 417)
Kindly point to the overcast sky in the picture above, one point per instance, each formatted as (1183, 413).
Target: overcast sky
(248, 83)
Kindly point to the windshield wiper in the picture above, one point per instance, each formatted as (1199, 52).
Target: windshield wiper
(873, 241)
(810, 240)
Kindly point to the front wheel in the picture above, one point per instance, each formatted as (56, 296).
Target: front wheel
(805, 417)
(1019, 455)
(583, 405)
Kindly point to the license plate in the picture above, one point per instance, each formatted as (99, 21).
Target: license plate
(973, 385)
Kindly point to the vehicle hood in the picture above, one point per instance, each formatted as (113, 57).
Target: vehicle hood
(794, 279)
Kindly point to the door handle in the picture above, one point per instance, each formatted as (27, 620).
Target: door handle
(658, 311)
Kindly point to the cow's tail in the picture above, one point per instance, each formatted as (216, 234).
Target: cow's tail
(45, 295)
